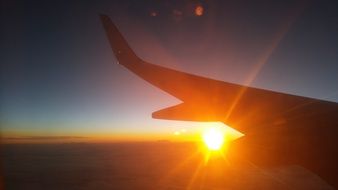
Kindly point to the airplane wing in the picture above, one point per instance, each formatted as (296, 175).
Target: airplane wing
(283, 124)
(206, 99)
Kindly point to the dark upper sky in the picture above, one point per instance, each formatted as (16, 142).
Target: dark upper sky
(57, 66)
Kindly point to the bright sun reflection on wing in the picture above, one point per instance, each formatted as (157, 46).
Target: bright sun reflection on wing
(217, 136)
(213, 138)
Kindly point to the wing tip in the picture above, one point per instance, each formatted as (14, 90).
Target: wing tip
(124, 54)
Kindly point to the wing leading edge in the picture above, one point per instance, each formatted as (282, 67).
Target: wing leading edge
(268, 119)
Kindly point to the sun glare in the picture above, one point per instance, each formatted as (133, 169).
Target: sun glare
(213, 138)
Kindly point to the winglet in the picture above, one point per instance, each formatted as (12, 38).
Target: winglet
(124, 54)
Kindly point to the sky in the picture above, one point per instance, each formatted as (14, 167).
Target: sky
(59, 76)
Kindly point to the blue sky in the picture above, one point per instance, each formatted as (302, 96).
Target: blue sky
(59, 74)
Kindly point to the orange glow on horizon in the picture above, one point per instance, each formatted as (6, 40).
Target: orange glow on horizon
(181, 132)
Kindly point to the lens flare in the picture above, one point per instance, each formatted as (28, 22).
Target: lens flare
(199, 10)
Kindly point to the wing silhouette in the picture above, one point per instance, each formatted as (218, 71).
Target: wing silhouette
(279, 128)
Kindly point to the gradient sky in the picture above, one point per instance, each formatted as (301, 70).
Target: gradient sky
(59, 75)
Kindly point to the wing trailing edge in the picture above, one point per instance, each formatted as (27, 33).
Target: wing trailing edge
(186, 112)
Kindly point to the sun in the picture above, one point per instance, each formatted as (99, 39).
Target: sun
(213, 138)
